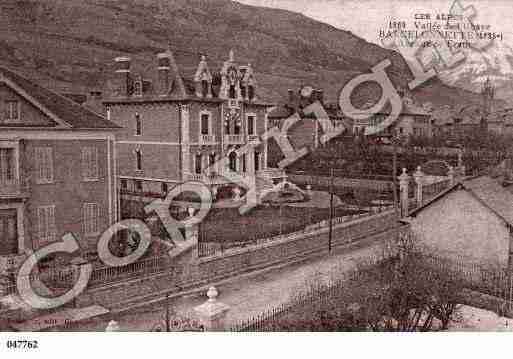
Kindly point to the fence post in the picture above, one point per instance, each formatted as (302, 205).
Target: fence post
(212, 313)
(419, 180)
(451, 175)
(113, 326)
(76, 267)
(191, 232)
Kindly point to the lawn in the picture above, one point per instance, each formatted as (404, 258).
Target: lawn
(227, 225)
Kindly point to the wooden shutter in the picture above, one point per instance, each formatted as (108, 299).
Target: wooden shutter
(49, 162)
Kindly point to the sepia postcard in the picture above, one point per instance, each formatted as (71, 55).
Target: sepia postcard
(254, 166)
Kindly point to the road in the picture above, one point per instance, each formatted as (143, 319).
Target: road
(252, 294)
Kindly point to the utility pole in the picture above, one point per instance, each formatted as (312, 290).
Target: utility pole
(394, 173)
(331, 210)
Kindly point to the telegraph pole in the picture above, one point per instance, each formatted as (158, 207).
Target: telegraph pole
(394, 173)
(331, 210)
(168, 328)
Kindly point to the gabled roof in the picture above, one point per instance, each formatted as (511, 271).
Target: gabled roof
(487, 191)
(69, 113)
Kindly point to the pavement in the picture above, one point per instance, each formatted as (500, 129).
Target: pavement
(248, 295)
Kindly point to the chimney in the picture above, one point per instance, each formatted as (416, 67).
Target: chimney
(320, 96)
(164, 70)
(291, 96)
(122, 76)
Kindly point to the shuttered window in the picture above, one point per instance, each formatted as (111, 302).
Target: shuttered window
(44, 164)
(7, 162)
(90, 163)
(91, 214)
(46, 224)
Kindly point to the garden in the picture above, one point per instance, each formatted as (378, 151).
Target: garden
(227, 225)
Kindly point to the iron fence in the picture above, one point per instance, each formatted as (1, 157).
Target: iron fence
(484, 278)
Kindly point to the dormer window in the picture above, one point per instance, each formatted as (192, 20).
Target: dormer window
(138, 125)
(12, 110)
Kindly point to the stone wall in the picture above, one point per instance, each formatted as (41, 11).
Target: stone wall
(287, 248)
(378, 185)
(189, 271)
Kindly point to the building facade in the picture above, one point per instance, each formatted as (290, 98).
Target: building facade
(57, 172)
(307, 132)
(179, 126)
(413, 121)
(471, 222)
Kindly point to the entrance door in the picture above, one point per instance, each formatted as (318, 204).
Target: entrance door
(8, 232)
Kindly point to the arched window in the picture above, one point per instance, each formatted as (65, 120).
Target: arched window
(251, 92)
(232, 161)
(212, 159)
(257, 161)
(232, 92)
(236, 127)
(198, 164)
(138, 160)
(138, 125)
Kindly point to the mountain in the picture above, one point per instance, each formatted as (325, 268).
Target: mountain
(494, 62)
(69, 45)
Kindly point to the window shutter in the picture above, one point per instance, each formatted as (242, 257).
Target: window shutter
(95, 171)
(40, 223)
(84, 163)
(51, 223)
(6, 110)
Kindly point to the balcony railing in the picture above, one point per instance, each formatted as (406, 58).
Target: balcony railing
(195, 177)
(13, 188)
(253, 138)
(207, 139)
(234, 139)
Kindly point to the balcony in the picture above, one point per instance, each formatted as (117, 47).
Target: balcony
(207, 139)
(13, 188)
(234, 139)
(196, 177)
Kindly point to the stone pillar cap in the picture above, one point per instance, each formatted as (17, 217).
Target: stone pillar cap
(113, 326)
(212, 307)
(404, 176)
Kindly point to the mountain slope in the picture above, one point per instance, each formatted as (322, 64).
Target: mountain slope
(69, 45)
(495, 63)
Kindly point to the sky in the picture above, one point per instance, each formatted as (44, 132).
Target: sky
(365, 17)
